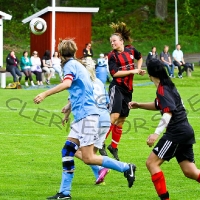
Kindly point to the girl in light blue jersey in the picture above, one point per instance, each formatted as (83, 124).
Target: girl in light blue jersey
(84, 130)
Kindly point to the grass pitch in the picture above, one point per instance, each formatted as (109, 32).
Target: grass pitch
(32, 138)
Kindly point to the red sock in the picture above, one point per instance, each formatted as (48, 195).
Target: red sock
(158, 180)
(111, 128)
(116, 135)
(198, 180)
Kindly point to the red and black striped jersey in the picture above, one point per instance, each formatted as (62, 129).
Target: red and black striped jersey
(123, 61)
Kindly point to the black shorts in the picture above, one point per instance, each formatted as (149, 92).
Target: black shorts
(119, 99)
(166, 149)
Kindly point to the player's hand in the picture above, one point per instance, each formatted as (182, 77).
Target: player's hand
(133, 105)
(39, 98)
(142, 72)
(66, 118)
(136, 71)
(66, 108)
(151, 139)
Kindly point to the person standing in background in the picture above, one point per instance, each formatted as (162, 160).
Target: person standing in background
(151, 54)
(87, 52)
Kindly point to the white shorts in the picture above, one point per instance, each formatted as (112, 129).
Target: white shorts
(85, 130)
(102, 136)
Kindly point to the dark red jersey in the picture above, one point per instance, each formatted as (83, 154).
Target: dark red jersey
(123, 61)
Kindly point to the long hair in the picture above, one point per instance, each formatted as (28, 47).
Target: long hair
(122, 31)
(90, 66)
(67, 49)
(156, 69)
(47, 54)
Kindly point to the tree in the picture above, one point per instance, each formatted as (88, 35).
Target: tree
(161, 9)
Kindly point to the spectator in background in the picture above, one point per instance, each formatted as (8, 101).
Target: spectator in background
(152, 54)
(12, 66)
(56, 63)
(87, 52)
(25, 64)
(166, 60)
(36, 67)
(47, 66)
(179, 61)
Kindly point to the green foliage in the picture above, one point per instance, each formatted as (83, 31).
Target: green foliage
(147, 30)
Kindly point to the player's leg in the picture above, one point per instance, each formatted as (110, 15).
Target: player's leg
(125, 98)
(185, 158)
(116, 134)
(68, 152)
(88, 137)
(90, 158)
(163, 150)
(153, 165)
(99, 171)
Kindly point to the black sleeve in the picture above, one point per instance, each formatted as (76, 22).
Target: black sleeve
(84, 53)
(137, 54)
(10, 61)
(91, 53)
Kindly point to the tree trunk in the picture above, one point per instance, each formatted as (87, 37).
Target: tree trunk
(161, 9)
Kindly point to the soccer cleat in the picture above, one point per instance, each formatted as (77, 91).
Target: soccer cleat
(60, 195)
(130, 175)
(180, 76)
(47, 82)
(164, 196)
(113, 151)
(102, 173)
(103, 151)
(192, 67)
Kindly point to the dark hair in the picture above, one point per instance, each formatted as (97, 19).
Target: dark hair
(25, 52)
(122, 31)
(156, 69)
(47, 54)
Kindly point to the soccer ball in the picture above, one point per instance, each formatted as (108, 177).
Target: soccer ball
(38, 26)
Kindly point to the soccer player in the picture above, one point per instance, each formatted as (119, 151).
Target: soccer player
(102, 100)
(121, 66)
(84, 129)
(178, 139)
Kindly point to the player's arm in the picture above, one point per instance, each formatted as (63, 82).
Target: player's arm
(126, 73)
(164, 121)
(145, 106)
(114, 70)
(62, 86)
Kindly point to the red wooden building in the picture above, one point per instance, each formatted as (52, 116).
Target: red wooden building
(70, 22)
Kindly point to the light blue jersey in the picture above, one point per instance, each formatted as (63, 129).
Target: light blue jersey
(101, 99)
(81, 90)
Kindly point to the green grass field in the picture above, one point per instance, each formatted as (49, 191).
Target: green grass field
(32, 138)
